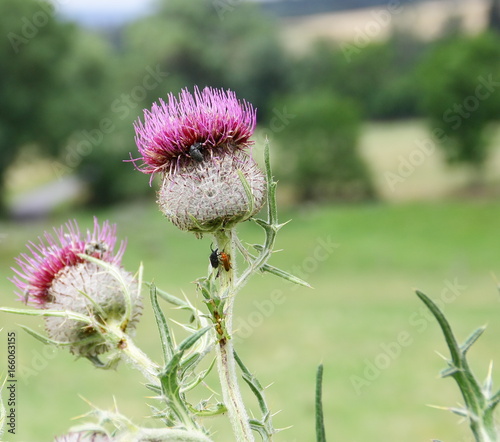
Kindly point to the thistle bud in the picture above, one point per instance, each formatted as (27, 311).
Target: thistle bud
(84, 436)
(56, 275)
(200, 144)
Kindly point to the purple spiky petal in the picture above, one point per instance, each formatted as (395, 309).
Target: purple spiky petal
(212, 117)
(55, 252)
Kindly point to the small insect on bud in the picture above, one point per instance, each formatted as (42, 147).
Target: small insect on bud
(96, 249)
(225, 260)
(214, 258)
(195, 153)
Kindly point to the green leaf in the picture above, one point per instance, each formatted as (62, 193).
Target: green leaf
(285, 275)
(272, 210)
(174, 300)
(165, 335)
(55, 313)
(198, 378)
(450, 371)
(260, 428)
(248, 191)
(214, 410)
(169, 376)
(480, 417)
(445, 327)
(191, 340)
(43, 339)
(472, 339)
(265, 426)
(320, 424)
(253, 383)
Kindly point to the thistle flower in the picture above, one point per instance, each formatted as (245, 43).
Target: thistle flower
(55, 275)
(200, 144)
(84, 436)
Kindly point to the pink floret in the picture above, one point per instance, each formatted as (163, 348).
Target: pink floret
(38, 268)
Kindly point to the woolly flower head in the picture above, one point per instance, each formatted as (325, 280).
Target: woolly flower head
(56, 275)
(199, 142)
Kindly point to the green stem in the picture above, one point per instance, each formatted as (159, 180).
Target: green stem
(226, 364)
(134, 354)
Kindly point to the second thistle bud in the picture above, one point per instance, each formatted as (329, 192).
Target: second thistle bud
(200, 144)
(58, 276)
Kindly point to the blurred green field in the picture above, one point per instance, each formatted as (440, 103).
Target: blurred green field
(363, 301)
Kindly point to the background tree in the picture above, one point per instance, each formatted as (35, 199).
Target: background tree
(51, 85)
(494, 15)
(203, 43)
(380, 76)
(319, 151)
(460, 95)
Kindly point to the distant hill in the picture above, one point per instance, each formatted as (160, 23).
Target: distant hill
(293, 8)
(423, 18)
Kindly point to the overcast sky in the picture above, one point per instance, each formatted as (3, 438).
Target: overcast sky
(88, 11)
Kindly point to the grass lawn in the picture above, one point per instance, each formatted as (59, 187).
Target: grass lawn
(361, 305)
(362, 320)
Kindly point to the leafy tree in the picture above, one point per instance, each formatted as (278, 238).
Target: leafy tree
(494, 15)
(29, 55)
(210, 43)
(319, 149)
(50, 84)
(460, 95)
(378, 76)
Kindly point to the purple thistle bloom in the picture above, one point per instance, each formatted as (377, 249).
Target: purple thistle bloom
(52, 254)
(214, 118)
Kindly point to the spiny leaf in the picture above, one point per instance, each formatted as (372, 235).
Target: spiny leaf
(43, 339)
(169, 376)
(260, 428)
(165, 336)
(174, 300)
(191, 340)
(54, 313)
(450, 371)
(285, 275)
(445, 327)
(272, 210)
(198, 379)
(248, 191)
(472, 339)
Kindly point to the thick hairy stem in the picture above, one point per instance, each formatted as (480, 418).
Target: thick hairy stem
(224, 350)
